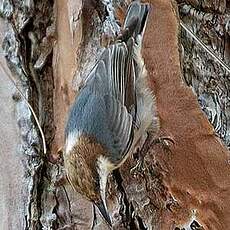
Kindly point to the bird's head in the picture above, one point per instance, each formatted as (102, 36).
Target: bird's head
(88, 170)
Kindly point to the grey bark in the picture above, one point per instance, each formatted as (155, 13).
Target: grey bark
(211, 82)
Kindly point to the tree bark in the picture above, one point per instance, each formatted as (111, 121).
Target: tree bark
(49, 48)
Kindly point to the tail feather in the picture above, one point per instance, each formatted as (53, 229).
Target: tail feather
(136, 19)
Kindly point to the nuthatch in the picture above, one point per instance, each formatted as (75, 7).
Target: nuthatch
(111, 114)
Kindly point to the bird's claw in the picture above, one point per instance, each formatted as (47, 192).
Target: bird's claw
(56, 158)
(139, 167)
(164, 141)
(61, 181)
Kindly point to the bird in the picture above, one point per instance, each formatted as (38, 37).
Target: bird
(111, 114)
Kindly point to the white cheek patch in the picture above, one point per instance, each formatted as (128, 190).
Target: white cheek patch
(71, 140)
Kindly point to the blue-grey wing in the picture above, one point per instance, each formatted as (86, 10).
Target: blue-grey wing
(101, 117)
(112, 72)
(88, 117)
(120, 124)
(100, 109)
(110, 83)
(116, 73)
(106, 105)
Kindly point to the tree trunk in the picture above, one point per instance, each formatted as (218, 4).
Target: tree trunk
(49, 49)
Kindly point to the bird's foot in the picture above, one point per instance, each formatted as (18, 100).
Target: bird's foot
(164, 142)
(146, 146)
(139, 167)
(139, 154)
(62, 180)
(56, 158)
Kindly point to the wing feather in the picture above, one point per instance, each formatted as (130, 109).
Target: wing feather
(117, 86)
(112, 80)
(106, 106)
(120, 123)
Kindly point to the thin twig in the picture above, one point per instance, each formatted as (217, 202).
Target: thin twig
(208, 50)
(30, 107)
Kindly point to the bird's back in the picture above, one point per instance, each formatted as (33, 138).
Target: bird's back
(111, 113)
(106, 107)
(99, 110)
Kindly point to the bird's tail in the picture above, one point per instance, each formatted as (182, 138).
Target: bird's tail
(135, 20)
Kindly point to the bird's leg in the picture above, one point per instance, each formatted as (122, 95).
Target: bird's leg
(61, 181)
(57, 159)
(137, 154)
(61, 178)
(150, 140)
(164, 142)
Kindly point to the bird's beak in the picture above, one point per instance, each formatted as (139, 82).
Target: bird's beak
(104, 212)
